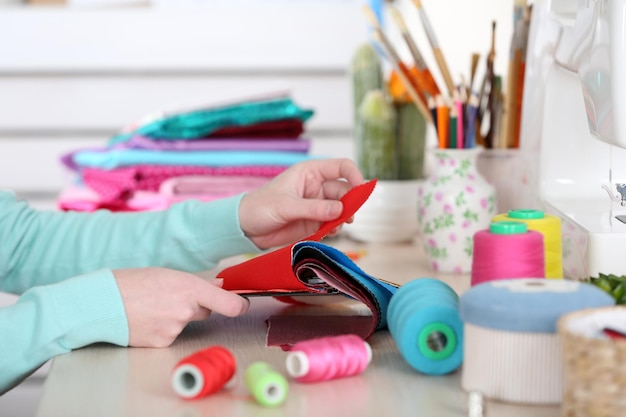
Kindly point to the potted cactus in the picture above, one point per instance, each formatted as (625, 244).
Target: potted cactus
(389, 135)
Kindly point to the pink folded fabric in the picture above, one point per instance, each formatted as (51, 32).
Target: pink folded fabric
(171, 191)
(120, 183)
(209, 186)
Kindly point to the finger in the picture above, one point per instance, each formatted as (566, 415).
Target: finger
(335, 231)
(221, 301)
(331, 169)
(335, 189)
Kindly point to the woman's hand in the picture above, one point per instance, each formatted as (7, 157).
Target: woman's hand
(295, 203)
(160, 302)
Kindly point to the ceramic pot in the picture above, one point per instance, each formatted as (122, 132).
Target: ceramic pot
(454, 202)
(389, 215)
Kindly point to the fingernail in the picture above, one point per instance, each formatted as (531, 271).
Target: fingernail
(218, 282)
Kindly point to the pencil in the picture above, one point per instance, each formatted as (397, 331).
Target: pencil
(434, 44)
(425, 81)
(443, 115)
(458, 106)
(470, 128)
(453, 133)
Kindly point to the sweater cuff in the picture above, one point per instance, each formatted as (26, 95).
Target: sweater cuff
(219, 233)
(90, 309)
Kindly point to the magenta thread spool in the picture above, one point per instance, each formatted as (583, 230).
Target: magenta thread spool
(507, 250)
(328, 358)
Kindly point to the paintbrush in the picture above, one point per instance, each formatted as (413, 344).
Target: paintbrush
(425, 81)
(402, 72)
(473, 67)
(434, 44)
(394, 58)
(391, 51)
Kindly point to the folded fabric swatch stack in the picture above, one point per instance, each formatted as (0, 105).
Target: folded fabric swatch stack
(204, 154)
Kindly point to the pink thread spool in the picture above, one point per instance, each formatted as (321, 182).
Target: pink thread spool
(507, 250)
(328, 358)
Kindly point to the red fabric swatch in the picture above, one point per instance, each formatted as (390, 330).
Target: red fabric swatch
(273, 271)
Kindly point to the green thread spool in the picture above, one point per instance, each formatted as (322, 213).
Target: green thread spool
(268, 387)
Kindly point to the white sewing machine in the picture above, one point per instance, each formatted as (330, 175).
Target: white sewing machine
(573, 131)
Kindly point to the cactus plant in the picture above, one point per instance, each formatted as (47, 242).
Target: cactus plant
(375, 136)
(410, 141)
(366, 73)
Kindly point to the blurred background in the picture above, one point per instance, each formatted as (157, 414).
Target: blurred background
(75, 72)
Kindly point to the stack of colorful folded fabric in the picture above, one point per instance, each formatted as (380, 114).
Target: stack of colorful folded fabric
(204, 154)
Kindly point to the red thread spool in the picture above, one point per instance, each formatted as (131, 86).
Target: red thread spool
(507, 250)
(203, 373)
(328, 358)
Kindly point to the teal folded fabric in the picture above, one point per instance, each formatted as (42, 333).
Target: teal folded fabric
(201, 123)
(122, 158)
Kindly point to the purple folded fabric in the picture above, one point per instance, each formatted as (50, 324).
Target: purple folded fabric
(292, 145)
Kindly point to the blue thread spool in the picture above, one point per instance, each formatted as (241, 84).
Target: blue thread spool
(423, 319)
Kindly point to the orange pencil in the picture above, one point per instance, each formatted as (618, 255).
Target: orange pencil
(443, 121)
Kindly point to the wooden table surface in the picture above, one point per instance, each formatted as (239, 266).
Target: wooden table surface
(109, 381)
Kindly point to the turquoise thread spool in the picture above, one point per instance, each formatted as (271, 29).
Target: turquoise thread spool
(423, 318)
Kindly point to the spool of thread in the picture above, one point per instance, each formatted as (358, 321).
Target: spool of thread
(512, 351)
(268, 387)
(507, 250)
(327, 358)
(203, 373)
(423, 319)
(550, 227)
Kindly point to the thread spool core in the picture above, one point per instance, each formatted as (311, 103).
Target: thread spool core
(274, 392)
(526, 214)
(297, 363)
(437, 341)
(187, 381)
(508, 228)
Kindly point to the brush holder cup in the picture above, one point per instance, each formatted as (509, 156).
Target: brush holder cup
(455, 202)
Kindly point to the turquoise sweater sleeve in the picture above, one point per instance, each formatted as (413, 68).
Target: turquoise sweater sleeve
(61, 262)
